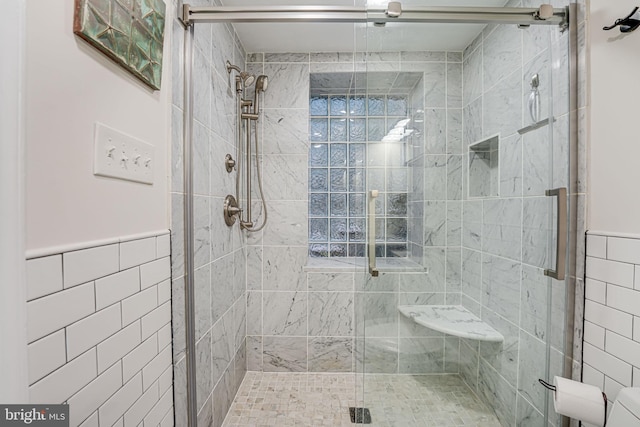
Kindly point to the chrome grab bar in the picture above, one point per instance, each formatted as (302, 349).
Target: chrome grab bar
(373, 195)
(561, 236)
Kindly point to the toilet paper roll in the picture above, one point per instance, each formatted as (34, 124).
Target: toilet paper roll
(580, 401)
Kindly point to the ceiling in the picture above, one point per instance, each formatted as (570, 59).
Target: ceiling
(298, 37)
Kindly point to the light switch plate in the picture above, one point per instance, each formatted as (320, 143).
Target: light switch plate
(121, 156)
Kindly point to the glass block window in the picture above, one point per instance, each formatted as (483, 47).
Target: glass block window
(346, 134)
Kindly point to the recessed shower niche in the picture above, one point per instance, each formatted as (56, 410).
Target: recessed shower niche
(484, 170)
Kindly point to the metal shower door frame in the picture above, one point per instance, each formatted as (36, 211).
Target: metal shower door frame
(348, 14)
(189, 253)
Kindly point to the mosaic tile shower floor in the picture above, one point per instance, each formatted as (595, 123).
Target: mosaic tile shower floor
(308, 399)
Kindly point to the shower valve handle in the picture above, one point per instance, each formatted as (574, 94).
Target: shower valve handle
(230, 210)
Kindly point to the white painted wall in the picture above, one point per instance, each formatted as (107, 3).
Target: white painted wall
(13, 308)
(614, 169)
(70, 86)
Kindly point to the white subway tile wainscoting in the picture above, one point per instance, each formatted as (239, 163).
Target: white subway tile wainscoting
(612, 312)
(99, 328)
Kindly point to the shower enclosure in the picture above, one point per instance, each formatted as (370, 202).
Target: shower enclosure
(478, 294)
(419, 237)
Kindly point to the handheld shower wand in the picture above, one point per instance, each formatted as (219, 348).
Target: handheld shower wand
(261, 85)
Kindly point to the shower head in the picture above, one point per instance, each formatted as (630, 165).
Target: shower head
(244, 77)
(247, 78)
(262, 83)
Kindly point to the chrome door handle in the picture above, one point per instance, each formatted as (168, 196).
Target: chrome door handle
(561, 236)
(371, 252)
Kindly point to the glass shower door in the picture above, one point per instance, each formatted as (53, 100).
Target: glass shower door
(462, 146)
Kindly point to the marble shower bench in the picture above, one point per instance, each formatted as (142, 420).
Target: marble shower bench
(451, 319)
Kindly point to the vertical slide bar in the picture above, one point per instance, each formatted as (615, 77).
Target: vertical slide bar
(561, 236)
(373, 195)
(249, 221)
(189, 266)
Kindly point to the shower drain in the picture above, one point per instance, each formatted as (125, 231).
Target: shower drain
(360, 415)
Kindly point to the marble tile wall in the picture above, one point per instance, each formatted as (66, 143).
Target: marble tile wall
(277, 296)
(506, 238)
(435, 203)
(415, 163)
(220, 251)
(308, 319)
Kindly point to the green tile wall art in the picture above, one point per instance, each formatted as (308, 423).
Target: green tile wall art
(130, 32)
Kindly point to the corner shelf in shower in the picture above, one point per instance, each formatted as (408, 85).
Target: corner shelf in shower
(451, 319)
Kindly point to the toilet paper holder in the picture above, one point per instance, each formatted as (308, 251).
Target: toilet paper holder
(547, 385)
(553, 388)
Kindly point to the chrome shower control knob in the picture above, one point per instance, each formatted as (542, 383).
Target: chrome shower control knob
(230, 210)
